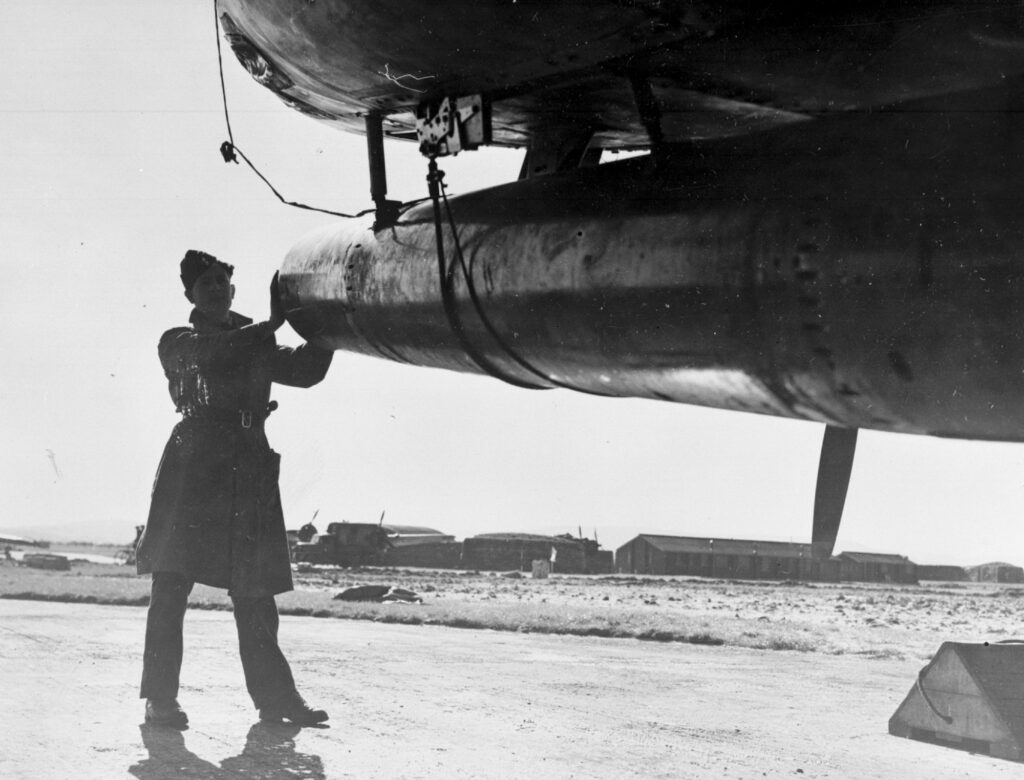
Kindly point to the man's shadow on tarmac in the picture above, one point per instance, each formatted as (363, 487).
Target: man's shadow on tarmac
(269, 752)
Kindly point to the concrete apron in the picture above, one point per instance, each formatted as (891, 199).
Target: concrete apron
(419, 701)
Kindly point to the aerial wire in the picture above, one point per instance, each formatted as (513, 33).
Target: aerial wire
(229, 150)
(435, 178)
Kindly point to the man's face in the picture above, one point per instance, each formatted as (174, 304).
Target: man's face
(213, 292)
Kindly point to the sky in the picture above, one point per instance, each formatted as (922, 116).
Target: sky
(110, 124)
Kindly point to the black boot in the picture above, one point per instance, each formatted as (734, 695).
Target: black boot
(166, 712)
(293, 707)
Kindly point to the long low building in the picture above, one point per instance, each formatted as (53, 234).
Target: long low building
(876, 567)
(739, 558)
(754, 559)
(941, 572)
(518, 551)
(996, 571)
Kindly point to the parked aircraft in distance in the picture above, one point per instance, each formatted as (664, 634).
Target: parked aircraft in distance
(8, 539)
(827, 225)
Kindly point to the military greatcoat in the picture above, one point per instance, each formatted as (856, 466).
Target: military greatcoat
(216, 515)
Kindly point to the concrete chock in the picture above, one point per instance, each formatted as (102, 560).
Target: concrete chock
(969, 696)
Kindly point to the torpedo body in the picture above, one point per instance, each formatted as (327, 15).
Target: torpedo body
(865, 272)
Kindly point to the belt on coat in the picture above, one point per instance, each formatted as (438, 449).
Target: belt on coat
(244, 418)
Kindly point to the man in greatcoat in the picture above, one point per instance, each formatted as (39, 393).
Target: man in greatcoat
(215, 516)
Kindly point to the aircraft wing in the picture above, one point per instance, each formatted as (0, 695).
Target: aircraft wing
(9, 539)
(627, 73)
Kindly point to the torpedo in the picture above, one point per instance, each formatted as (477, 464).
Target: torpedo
(858, 272)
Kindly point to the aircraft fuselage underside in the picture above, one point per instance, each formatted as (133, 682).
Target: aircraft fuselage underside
(865, 271)
(829, 226)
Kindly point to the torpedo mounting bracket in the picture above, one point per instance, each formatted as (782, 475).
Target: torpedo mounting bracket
(452, 125)
(386, 211)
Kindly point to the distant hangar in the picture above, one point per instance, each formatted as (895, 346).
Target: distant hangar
(755, 559)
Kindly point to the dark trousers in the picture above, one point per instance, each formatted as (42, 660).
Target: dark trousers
(267, 674)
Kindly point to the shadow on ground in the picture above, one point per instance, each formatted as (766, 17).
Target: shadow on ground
(269, 752)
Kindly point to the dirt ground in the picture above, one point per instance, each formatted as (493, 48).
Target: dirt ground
(427, 701)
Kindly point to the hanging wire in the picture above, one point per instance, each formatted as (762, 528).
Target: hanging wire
(228, 149)
(230, 152)
(447, 278)
(924, 694)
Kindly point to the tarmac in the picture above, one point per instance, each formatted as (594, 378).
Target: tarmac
(426, 701)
